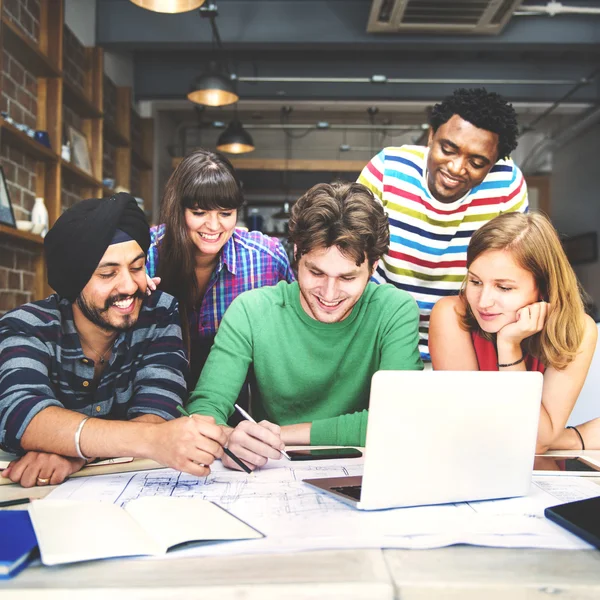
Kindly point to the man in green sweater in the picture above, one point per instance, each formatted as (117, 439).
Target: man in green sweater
(314, 344)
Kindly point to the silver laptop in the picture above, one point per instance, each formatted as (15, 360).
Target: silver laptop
(444, 436)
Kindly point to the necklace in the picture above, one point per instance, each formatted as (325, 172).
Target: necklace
(101, 358)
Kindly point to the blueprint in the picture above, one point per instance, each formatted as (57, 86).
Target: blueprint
(294, 517)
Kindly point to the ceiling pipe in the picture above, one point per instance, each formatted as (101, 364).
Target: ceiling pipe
(555, 8)
(379, 79)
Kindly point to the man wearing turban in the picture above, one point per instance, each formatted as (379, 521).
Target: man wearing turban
(97, 369)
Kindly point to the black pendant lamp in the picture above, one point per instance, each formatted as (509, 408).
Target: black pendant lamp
(213, 88)
(169, 6)
(235, 139)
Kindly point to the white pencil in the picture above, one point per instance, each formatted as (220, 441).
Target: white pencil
(249, 418)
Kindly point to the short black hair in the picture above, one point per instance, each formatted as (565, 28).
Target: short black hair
(486, 110)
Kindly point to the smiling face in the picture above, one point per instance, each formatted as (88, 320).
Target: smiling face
(460, 157)
(497, 287)
(330, 284)
(112, 298)
(209, 230)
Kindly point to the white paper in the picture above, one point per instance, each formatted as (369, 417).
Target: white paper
(294, 517)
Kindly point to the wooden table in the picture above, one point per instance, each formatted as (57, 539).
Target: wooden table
(456, 572)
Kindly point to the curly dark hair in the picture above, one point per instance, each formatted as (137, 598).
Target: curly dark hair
(486, 110)
(345, 215)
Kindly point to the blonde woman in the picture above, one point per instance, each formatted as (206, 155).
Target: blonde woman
(520, 308)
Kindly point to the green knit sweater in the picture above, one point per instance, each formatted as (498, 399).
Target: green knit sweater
(305, 370)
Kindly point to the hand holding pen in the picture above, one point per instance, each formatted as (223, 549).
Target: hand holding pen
(248, 417)
(256, 443)
(228, 452)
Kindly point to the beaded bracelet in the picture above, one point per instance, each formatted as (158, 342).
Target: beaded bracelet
(579, 434)
(513, 364)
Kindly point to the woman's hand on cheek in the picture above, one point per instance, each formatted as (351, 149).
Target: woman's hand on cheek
(152, 283)
(530, 320)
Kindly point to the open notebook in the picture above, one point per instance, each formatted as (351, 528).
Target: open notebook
(72, 531)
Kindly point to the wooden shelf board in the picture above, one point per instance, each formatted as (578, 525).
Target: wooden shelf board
(28, 145)
(26, 51)
(26, 236)
(114, 136)
(77, 101)
(83, 178)
(139, 161)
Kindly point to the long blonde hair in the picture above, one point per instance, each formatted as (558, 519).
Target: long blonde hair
(535, 246)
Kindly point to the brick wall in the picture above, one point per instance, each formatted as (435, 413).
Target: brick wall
(16, 276)
(18, 97)
(25, 14)
(74, 59)
(70, 193)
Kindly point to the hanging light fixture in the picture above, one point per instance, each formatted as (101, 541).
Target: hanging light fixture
(235, 139)
(215, 87)
(169, 6)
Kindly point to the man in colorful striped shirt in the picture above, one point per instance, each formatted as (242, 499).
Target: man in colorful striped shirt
(437, 196)
(98, 369)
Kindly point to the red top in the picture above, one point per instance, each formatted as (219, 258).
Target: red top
(487, 357)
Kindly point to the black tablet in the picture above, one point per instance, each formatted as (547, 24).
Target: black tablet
(581, 518)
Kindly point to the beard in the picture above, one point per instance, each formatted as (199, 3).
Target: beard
(97, 315)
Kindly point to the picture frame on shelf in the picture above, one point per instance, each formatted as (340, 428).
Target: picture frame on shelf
(80, 150)
(7, 215)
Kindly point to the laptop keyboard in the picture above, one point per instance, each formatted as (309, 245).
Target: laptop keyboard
(349, 490)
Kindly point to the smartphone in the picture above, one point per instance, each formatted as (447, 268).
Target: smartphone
(324, 454)
(566, 465)
(580, 518)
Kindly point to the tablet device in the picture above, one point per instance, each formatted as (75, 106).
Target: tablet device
(581, 518)
(574, 466)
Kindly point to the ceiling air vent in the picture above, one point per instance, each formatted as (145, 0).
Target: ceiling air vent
(441, 16)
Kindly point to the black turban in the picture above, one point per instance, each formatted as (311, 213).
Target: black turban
(77, 241)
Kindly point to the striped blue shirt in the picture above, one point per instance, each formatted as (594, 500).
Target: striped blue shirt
(42, 364)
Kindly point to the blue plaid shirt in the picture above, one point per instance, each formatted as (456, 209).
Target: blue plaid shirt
(249, 260)
(42, 364)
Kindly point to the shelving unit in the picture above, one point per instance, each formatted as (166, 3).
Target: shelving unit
(23, 142)
(32, 57)
(67, 89)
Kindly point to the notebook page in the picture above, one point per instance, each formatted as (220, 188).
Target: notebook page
(72, 531)
(173, 521)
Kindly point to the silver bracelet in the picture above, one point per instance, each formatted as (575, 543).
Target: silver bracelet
(77, 437)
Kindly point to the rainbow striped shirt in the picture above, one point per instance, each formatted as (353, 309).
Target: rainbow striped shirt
(428, 239)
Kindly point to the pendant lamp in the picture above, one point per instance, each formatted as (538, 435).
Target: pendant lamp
(169, 6)
(213, 88)
(235, 139)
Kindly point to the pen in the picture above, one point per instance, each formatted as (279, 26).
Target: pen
(227, 451)
(249, 418)
(5, 503)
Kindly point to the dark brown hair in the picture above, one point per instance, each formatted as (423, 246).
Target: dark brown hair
(345, 215)
(204, 180)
